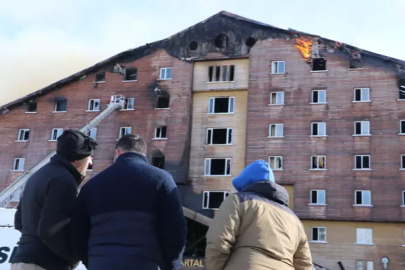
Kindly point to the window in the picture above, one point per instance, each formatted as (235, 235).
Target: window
(403, 199)
(276, 130)
(125, 131)
(318, 96)
(277, 67)
(362, 197)
(161, 132)
(277, 98)
(166, 73)
(364, 236)
(19, 164)
(213, 199)
(100, 77)
(318, 234)
(402, 127)
(221, 105)
(56, 132)
(129, 104)
(318, 163)
(362, 128)
(221, 73)
(219, 136)
(276, 163)
(90, 166)
(362, 162)
(362, 95)
(401, 85)
(32, 107)
(318, 64)
(94, 105)
(402, 162)
(365, 265)
(217, 166)
(318, 129)
(92, 133)
(163, 102)
(60, 106)
(130, 74)
(23, 135)
(318, 197)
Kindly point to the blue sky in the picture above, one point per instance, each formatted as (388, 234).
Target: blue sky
(43, 41)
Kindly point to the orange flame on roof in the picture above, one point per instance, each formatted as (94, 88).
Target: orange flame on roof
(304, 45)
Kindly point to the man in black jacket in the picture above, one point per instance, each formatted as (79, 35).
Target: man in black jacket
(44, 210)
(129, 216)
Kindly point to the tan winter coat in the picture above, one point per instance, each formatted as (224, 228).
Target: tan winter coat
(255, 230)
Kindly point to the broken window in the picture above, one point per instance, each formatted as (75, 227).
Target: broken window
(362, 95)
(217, 166)
(221, 73)
(362, 197)
(159, 162)
(318, 234)
(277, 98)
(365, 265)
(90, 166)
(19, 164)
(276, 163)
(193, 45)
(213, 199)
(92, 133)
(100, 77)
(219, 136)
(276, 130)
(125, 131)
(221, 105)
(166, 73)
(129, 104)
(402, 162)
(401, 84)
(362, 128)
(23, 135)
(250, 42)
(362, 162)
(278, 67)
(318, 64)
(221, 41)
(163, 102)
(318, 162)
(318, 129)
(94, 105)
(130, 74)
(32, 107)
(161, 132)
(318, 197)
(56, 132)
(60, 105)
(403, 200)
(318, 96)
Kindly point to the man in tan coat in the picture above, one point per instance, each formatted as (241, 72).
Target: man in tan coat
(254, 229)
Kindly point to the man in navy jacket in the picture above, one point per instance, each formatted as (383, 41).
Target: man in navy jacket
(129, 216)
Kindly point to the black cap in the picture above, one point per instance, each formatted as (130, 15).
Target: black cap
(75, 145)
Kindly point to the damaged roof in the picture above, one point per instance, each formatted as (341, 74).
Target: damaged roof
(204, 33)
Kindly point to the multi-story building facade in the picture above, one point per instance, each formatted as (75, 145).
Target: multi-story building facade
(328, 117)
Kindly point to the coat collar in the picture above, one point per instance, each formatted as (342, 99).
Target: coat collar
(57, 159)
(269, 190)
(133, 156)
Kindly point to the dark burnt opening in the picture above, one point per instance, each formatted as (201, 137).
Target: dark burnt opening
(193, 45)
(401, 85)
(250, 42)
(32, 107)
(158, 159)
(221, 41)
(163, 102)
(318, 64)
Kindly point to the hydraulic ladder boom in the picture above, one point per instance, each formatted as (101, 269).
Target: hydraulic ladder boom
(12, 192)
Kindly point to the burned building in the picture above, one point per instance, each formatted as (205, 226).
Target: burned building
(327, 116)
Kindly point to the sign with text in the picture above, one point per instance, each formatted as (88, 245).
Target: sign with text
(192, 263)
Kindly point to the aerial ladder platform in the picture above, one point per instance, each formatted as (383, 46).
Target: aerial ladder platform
(13, 191)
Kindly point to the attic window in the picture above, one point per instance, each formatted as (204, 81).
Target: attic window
(250, 42)
(32, 107)
(193, 45)
(100, 77)
(60, 106)
(401, 89)
(221, 41)
(163, 102)
(130, 74)
(318, 64)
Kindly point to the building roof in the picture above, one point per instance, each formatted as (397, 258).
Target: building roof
(168, 45)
